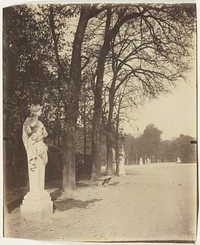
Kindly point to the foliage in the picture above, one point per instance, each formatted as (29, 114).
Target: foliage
(131, 146)
(150, 142)
(149, 145)
(114, 58)
(180, 147)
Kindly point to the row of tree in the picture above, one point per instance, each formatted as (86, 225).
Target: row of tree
(150, 146)
(86, 64)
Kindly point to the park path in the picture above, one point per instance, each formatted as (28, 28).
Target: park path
(152, 202)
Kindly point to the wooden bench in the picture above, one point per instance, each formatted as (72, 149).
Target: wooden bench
(104, 180)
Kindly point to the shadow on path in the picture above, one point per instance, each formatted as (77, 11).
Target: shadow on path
(72, 203)
(114, 183)
(58, 205)
(14, 204)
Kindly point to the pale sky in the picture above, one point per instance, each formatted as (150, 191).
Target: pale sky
(173, 114)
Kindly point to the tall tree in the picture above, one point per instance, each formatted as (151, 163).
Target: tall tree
(121, 15)
(72, 103)
(150, 143)
(73, 94)
(181, 148)
(154, 47)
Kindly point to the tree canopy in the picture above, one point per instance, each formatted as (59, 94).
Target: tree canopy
(87, 64)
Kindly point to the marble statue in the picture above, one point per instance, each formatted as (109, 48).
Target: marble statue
(37, 158)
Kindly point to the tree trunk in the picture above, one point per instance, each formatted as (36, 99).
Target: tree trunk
(96, 125)
(84, 133)
(109, 135)
(109, 35)
(5, 160)
(69, 179)
(117, 145)
(117, 136)
(72, 103)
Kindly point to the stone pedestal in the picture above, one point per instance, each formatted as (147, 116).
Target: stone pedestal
(36, 206)
(37, 203)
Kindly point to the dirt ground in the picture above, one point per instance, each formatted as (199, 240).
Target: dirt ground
(155, 202)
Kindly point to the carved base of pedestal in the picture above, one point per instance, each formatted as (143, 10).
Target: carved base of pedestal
(36, 206)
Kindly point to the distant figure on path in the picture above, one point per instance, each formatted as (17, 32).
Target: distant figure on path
(33, 134)
(141, 161)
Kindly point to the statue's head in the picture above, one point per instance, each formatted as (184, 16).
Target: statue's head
(121, 148)
(35, 110)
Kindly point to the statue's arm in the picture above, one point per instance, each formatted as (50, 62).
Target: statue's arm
(27, 128)
(30, 131)
(44, 132)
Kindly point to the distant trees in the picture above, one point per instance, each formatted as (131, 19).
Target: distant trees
(149, 145)
(180, 147)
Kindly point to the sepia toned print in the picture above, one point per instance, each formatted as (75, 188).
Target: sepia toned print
(83, 160)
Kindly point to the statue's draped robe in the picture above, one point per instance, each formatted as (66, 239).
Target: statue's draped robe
(33, 134)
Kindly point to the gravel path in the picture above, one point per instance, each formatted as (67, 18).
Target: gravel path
(155, 202)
